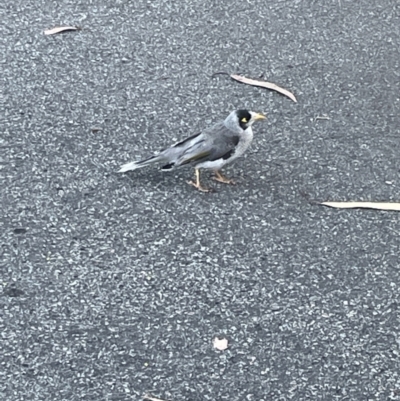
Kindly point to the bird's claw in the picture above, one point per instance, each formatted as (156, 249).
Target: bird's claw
(199, 187)
(225, 180)
(220, 178)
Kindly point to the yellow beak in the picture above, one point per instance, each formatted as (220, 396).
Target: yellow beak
(259, 117)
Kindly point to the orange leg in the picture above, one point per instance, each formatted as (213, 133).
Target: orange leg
(197, 183)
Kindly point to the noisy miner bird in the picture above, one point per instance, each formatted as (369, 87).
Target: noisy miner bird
(210, 149)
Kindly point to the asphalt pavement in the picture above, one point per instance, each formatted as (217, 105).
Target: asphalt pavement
(114, 286)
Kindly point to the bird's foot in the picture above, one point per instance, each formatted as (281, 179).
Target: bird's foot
(199, 186)
(220, 178)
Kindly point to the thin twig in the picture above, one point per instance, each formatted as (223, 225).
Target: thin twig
(220, 73)
(149, 397)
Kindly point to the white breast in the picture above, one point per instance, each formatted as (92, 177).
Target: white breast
(245, 141)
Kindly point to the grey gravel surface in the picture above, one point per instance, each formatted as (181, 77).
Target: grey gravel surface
(113, 286)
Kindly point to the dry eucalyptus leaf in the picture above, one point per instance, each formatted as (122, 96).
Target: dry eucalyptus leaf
(221, 345)
(364, 205)
(149, 397)
(60, 29)
(264, 84)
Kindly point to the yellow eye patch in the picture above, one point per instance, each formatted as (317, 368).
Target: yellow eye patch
(244, 120)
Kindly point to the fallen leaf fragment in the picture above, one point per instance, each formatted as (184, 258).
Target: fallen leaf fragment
(321, 118)
(221, 345)
(149, 397)
(60, 29)
(264, 84)
(364, 205)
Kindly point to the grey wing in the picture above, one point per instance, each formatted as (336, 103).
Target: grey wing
(213, 144)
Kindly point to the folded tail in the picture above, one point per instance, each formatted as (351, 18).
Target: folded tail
(140, 164)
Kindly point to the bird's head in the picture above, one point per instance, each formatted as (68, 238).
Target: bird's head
(246, 118)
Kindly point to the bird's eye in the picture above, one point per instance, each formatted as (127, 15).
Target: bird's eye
(244, 120)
